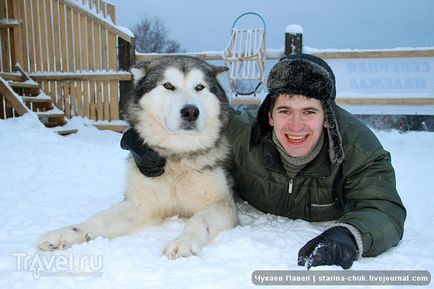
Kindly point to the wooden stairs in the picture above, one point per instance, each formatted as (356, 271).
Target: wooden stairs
(23, 95)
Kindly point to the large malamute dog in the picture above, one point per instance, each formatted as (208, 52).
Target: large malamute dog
(180, 110)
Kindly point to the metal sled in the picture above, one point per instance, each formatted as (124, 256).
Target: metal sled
(245, 58)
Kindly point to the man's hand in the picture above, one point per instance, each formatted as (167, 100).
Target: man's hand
(336, 246)
(148, 161)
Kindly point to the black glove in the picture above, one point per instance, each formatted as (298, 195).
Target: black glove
(149, 162)
(336, 246)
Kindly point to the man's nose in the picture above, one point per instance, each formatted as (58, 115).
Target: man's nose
(296, 122)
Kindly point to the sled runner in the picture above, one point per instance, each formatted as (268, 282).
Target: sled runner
(245, 58)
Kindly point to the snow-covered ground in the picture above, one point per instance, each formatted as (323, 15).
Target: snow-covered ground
(48, 181)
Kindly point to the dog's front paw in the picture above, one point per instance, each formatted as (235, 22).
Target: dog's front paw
(182, 247)
(61, 239)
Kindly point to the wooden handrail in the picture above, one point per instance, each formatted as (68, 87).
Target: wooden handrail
(121, 76)
(201, 55)
(376, 54)
(325, 55)
(9, 23)
(14, 76)
(384, 101)
(10, 96)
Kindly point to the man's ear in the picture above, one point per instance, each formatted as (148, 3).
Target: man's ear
(326, 124)
(270, 119)
(139, 70)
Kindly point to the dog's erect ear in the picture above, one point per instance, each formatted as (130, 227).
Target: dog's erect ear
(139, 70)
(219, 69)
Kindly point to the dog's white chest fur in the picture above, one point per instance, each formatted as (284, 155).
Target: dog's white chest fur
(181, 190)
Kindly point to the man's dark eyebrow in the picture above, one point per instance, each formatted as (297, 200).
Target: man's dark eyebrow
(311, 108)
(304, 108)
(282, 107)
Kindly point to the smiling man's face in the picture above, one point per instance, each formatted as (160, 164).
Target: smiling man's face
(298, 122)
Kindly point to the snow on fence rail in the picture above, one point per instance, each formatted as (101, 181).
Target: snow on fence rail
(57, 40)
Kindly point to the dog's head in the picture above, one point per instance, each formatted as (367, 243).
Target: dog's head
(178, 106)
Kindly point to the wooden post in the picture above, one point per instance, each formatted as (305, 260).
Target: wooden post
(13, 34)
(127, 58)
(293, 40)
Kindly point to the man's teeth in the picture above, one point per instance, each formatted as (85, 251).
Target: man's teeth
(295, 138)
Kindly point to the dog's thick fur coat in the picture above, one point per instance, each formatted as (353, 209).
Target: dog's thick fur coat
(180, 110)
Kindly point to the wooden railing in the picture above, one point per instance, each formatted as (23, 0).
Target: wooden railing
(58, 40)
(276, 54)
(90, 94)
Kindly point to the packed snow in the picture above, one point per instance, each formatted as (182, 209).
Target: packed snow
(48, 181)
(294, 29)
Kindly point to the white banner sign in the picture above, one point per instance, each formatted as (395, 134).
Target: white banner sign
(382, 77)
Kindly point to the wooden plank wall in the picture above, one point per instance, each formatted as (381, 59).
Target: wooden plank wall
(56, 37)
(6, 36)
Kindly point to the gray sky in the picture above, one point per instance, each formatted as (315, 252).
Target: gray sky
(354, 24)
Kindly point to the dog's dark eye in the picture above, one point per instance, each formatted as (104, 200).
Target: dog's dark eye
(168, 86)
(199, 87)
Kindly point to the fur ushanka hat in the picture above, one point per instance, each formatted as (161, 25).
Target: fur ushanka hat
(305, 75)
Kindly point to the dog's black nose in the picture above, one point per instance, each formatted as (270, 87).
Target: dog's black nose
(190, 113)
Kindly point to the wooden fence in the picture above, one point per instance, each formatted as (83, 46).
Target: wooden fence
(72, 49)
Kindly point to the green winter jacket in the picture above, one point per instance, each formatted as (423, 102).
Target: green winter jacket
(361, 191)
